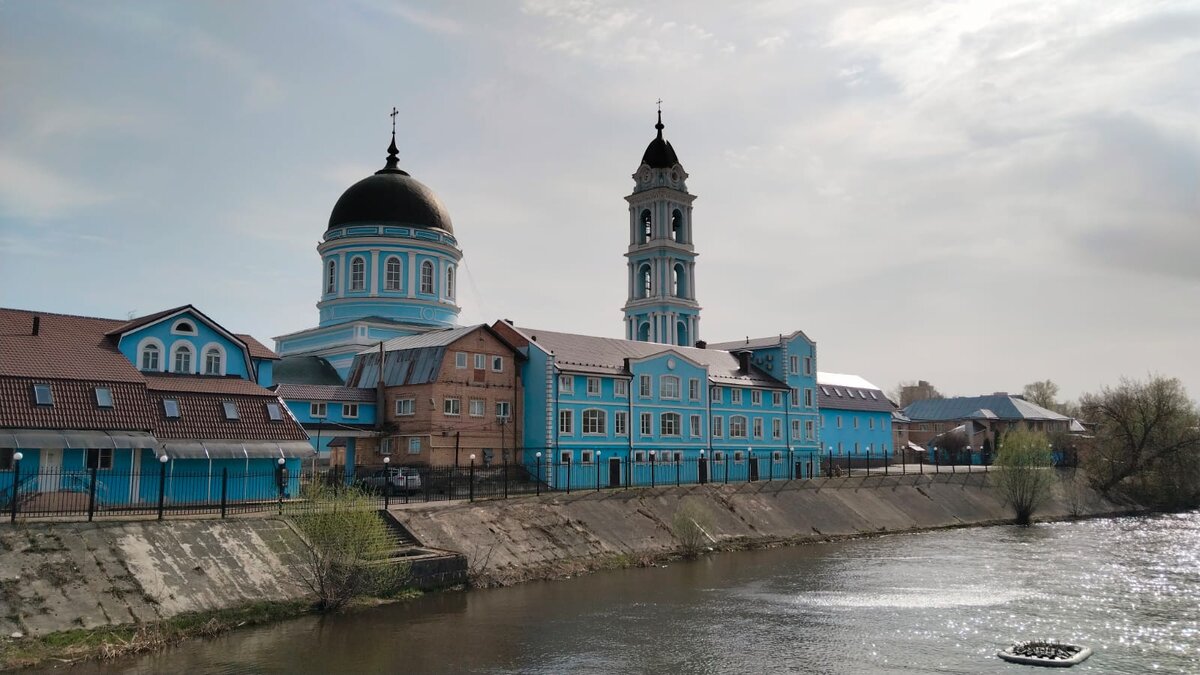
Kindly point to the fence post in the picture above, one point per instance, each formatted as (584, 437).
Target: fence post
(725, 461)
(162, 487)
(885, 462)
(791, 465)
(868, 461)
(505, 461)
(829, 469)
(450, 486)
(471, 485)
(568, 476)
(651, 468)
(224, 490)
(92, 495)
(677, 471)
(537, 474)
(596, 463)
(16, 485)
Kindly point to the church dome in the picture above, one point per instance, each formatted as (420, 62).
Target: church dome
(659, 154)
(391, 196)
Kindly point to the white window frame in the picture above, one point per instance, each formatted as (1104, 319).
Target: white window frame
(350, 411)
(621, 423)
(668, 387)
(103, 458)
(795, 397)
(145, 351)
(838, 421)
(732, 426)
(645, 386)
(718, 426)
(755, 397)
(694, 389)
(406, 407)
(669, 419)
(358, 273)
(497, 364)
(696, 426)
(810, 431)
(776, 398)
(477, 407)
(452, 406)
(480, 361)
(566, 384)
(460, 360)
(393, 282)
(318, 410)
(714, 393)
(330, 277)
(176, 350)
(209, 352)
(757, 427)
(796, 430)
(503, 410)
(621, 388)
(593, 386)
(585, 456)
(598, 422)
(646, 424)
(794, 365)
(427, 277)
(735, 396)
(808, 365)
(566, 422)
(777, 428)
(450, 282)
(808, 398)
(414, 445)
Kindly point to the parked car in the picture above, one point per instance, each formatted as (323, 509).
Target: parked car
(392, 480)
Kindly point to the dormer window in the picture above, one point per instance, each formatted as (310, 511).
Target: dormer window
(150, 357)
(184, 327)
(171, 408)
(42, 394)
(104, 398)
(274, 413)
(212, 361)
(231, 410)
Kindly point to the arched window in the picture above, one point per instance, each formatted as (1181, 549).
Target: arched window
(677, 231)
(212, 361)
(645, 281)
(646, 232)
(679, 281)
(737, 426)
(668, 424)
(358, 274)
(427, 277)
(643, 334)
(594, 421)
(150, 357)
(184, 327)
(391, 274)
(331, 276)
(182, 360)
(450, 282)
(681, 334)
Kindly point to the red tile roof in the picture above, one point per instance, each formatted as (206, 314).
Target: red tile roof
(66, 347)
(74, 405)
(202, 416)
(204, 384)
(144, 320)
(257, 349)
(325, 392)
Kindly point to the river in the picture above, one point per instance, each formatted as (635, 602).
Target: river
(939, 602)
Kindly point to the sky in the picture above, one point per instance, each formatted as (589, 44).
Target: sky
(979, 194)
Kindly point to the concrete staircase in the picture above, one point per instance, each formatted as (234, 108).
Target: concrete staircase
(400, 542)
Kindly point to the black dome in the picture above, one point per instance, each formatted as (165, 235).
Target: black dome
(391, 196)
(659, 154)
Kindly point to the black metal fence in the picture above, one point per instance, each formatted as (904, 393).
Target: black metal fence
(161, 493)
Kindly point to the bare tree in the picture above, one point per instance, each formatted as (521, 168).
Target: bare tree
(1147, 441)
(907, 391)
(1043, 393)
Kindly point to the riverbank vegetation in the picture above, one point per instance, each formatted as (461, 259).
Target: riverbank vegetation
(1026, 472)
(690, 525)
(111, 642)
(345, 553)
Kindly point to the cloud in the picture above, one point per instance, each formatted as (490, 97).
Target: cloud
(28, 190)
(425, 20)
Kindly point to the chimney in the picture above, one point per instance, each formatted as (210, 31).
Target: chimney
(508, 321)
(701, 344)
(37, 325)
(743, 361)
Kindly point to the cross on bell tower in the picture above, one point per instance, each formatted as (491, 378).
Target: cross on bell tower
(661, 305)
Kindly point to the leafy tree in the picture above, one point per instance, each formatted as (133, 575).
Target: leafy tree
(1025, 474)
(1147, 441)
(1043, 393)
(690, 525)
(345, 549)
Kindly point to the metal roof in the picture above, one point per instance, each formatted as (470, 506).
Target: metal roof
(434, 338)
(601, 355)
(840, 391)
(325, 392)
(1001, 406)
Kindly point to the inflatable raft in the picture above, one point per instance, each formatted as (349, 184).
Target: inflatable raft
(1042, 653)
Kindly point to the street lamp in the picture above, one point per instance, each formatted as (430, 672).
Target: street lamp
(387, 460)
(18, 456)
(163, 459)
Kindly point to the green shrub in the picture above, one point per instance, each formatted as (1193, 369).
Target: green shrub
(1025, 472)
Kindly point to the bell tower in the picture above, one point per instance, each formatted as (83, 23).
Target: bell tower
(662, 303)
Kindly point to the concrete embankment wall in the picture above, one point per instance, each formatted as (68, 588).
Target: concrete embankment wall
(61, 576)
(520, 539)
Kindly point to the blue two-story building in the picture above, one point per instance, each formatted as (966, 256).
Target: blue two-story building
(856, 421)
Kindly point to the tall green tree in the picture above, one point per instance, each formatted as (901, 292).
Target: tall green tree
(1025, 473)
(1147, 441)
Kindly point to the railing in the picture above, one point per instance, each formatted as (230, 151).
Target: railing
(162, 491)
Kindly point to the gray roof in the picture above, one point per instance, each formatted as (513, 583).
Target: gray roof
(837, 391)
(325, 392)
(305, 370)
(601, 355)
(995, 406)
(756, 343)
(433, 338)
(412, 359)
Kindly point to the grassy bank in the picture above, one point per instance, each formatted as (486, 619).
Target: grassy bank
(112, 642)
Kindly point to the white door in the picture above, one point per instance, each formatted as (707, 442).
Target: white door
(50, 469)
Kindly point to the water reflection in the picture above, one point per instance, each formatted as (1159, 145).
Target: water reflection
(937, 602)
